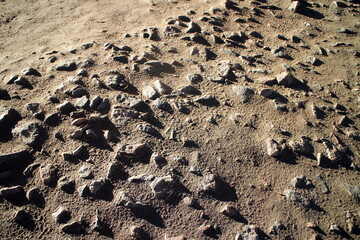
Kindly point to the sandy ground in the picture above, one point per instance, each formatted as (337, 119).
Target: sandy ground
(229, 138)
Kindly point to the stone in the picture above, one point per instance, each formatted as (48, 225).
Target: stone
(82, 102)
(163, 187)
(48, 174)
(21, 81)
(302, 146)
(297, 198)
(276, 228)
(114, 81)
(8, 118)
(84, 191)
(210, 184)
(121, 58)
(95, 102)
(141, 178)
(269, 93)
(207, 229)
(52, 119)
(121, 115)
(73, 228)
(97, 186)
(158, 159)
(249, 232)
(190, 90)
(131, 149)
(4, 95)
(66, 107)
(229, 211)
(243, 93)
(273, 148)
(85, 172)
(352, 223)
(13, 193)
(62, 215)
(147, 128)
(66, 66)
(332, 152)
(295, 6)
(286, 79)
(354, 135)
(22, 217)
(162, 105)
(29, 132)
(125, 200)
(190, 201)
(31, 72)
(137, 233)
(161, 87)
(335, 229)
(194, 78)
(29, 170)
(34, 195)
(301, 182)
(193, 28)
(207, 100)
(104, 106)
(353, 190)
(33, 107)
(149, 92)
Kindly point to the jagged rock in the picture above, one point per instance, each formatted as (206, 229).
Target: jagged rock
(210, 184)
(229, 211)
(8, 118)
(48, 174)
(137, 233)
(295, 6)
(207, 100)
(193, 28)
(161, 87)
(273, 148)
(269, 93)
(31, 71)
(73, 228)
(332, 152)
(132, 150)
(353, 190)
(84, 191)
(30, 132)
(303, 146)
(125, 200)
(66, 107)
(121, 115)
(297, 198)
(21, 81)
(286, 79)
(62, 215)
(249, 232)
(149, 92)
(29, 170)
(34, 195)
(85, 172)
(335, 229)
(147, 128)
(122, 59)
(276, 228)
(163, 187)
(115, 81)
(190, 90)
(301, 182)
(22, 217)
(114, 171)
(354, 135)
(66, 66)
(243, 93)
(194, 78)
(162, 105)
(97, 186)
(82, 102)
(141, 178)
(158, 159)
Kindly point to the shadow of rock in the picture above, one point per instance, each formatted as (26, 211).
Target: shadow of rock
(150, 215)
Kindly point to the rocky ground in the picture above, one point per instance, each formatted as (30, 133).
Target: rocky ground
(180, 119)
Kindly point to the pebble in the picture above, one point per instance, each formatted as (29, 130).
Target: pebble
(353, 190)
(273, 148)
(147, 128)
(149, 92)
(31, 72)
(29, 132)
(84, 191)
(302, 146)
(161, 87)
(158, 159)
(194, 78)
(34, 195)
(13, 193)
(276, 228)
(74, 228)
(82, 102)
(286, 79)
(141, 178)
(66, 107)
(137, 233)
(207, 100)
(229, 211)
(22, 217)
(66, 66)
(97, 186)
(249, 232)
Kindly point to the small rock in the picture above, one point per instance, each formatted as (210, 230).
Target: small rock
(32, 72)
(229, 211)
(207, 100)
(303, 146)
(161, 87)
(210, 184)
(85, 172)
(30, 132)
(66, 66)
(82, 102)
(149, 92)
(194, 78)
(298, 198)
(243, 93)
(48, 174)
(13, 193)
(353, 190)
(84, 191)
(97, 186)
(163, 187)
(301, 182)
(273, 148)
(335, 229)
(137, 233)
(66, 107)
(123, 199)
(295, 6)
(158, 159)
(286, 79)
(62, 215)
(73, 228)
